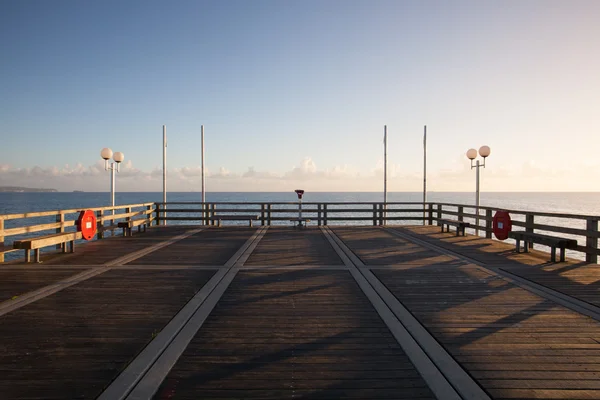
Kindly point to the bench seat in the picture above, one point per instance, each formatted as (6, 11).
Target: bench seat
(460, 225)
(36, 243)
(129, 225)
(300, 221)
(220, 218)
(551, 241)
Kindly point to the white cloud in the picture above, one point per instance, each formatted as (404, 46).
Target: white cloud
(527, 176)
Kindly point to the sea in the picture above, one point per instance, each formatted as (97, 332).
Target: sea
(582, 203)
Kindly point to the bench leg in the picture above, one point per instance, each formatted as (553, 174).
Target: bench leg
(250, 223)
(518, 246)
(562, 254)
(27, 256)
(36, 254)
(72, 246)
(553, 254)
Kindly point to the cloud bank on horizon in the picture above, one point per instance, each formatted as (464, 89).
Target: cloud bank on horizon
(306, 174)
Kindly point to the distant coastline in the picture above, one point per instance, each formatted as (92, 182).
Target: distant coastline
(18, 189)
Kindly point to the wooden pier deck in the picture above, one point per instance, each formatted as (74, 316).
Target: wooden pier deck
(396, 312)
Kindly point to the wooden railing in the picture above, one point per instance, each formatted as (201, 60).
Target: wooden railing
(281, 212)
(21, 226)
(584, 228)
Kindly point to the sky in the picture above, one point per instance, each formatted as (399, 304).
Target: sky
(297, 93)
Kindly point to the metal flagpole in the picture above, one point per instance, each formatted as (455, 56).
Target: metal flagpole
(203, 187)
(384, 173)
(164, 173)
(424, 171)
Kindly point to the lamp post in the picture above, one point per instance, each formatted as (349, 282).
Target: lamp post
(118, 158)
(484, 152)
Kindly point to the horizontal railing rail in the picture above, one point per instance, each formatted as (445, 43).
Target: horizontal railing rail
(33, 224)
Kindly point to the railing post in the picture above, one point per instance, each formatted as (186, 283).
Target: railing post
(157, 213)
(439, 214)
(324, 214)
(1, 239)
(591, 242)
(488, 223)
(268, 214)
(374, 214)
(380, 214)
(213, 213)
(319, 214)
(430, 214)
(60, 218)
(127, 211)
(100, 224)
(148, 214)
(262, 214)
(529, 226)
(461, 215)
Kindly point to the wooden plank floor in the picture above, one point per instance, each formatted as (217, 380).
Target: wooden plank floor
(73, 343)
(579, 281)
(294, 246)
(296, 324)
(488, 251)
(212, 246)
(15, 281)
(108, 249)
(377, 247)
(516, 344)
(293, 334)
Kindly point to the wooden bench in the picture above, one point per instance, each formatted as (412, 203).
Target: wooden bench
(300, 221)
(36, 243)
(551, 241)
(460, 225)
(220, 218)
(129, 225)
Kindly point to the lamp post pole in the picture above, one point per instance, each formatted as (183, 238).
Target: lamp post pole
(484, 152)
(118, 158)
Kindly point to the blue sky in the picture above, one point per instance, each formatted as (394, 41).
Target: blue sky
(297, 93)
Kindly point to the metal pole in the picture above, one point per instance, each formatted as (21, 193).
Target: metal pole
(203, 187)
(424, 170)
(385, 173)
(112, 186)
(477, 199)
(164, 173)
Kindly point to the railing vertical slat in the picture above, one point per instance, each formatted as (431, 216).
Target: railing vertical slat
(430, 214)
(1, 239)
(100, 224)
(461, 216)
(591, 242)
(488, 223)
(60, 218)
(262, 214)
(324, 214)
(157, 214)
(439, 214)
(374, 214)
(529, 226)
(319, 214)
